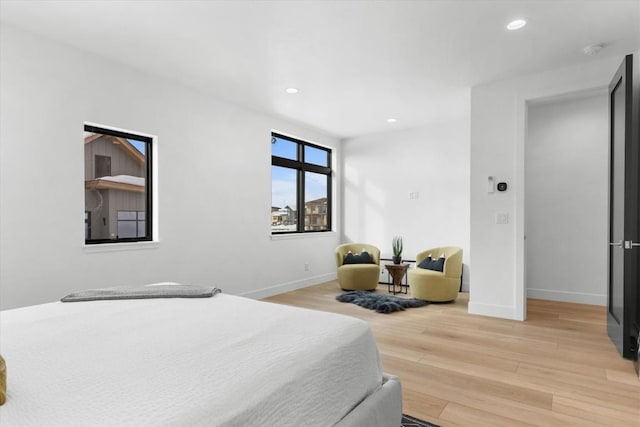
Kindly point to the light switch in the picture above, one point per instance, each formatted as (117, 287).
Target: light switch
(502, 218)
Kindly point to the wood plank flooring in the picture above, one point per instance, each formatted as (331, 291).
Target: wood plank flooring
(558, 368)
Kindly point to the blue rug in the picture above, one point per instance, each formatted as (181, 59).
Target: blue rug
(378, 302)
(408, 421)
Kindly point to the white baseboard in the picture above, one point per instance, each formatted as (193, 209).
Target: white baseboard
(492, 310)
(290, 286)
(564, 296)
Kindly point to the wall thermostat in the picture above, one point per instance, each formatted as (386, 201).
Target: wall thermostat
(502, 186)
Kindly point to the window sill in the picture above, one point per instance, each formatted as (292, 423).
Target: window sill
(118, 247)
(303, 235)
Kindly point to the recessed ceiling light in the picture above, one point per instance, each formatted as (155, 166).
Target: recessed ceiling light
(291, 90)
(516, 25)
(391, 120)
(594, 49)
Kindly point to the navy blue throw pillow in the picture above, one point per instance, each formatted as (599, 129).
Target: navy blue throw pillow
(362, 258)
(432, 264)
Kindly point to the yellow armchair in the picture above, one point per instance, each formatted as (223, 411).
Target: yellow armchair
(360, 277)
(437, 286)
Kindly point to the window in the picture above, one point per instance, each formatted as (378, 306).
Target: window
(117, 182)
(131, 224)
(300, 176)
(87, 225)
(103, 165)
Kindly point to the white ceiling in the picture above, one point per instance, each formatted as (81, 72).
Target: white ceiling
(356, 63)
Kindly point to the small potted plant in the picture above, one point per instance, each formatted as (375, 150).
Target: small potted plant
(397, 249)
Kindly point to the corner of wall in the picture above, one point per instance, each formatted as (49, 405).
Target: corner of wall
(498, 126)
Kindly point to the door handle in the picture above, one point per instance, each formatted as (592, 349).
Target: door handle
(629, 244)
(616, 244)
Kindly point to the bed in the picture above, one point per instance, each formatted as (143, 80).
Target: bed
(220, 361)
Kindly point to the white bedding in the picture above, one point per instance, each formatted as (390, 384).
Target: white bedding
(221, 361)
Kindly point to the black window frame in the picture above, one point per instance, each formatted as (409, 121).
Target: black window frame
(301, 167)
(148, 182)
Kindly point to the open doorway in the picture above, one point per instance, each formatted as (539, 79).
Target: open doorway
(566, 198)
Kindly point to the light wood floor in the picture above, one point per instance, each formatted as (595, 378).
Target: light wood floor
(558, 368)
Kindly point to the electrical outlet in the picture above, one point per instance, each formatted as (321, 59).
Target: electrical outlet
(306, 266)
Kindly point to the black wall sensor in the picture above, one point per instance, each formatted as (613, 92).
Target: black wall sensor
(502, 186)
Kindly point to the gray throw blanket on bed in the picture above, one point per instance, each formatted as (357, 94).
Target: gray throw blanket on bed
(144, 292)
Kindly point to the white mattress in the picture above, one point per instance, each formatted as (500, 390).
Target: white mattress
(221, 361)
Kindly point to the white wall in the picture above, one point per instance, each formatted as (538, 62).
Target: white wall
(381, 171)
(566, 199)
(498, 128)
(214, 181)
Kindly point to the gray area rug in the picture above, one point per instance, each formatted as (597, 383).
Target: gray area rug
(378, 302)
(408, 421)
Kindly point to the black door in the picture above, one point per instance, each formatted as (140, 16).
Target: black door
(622, 317)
